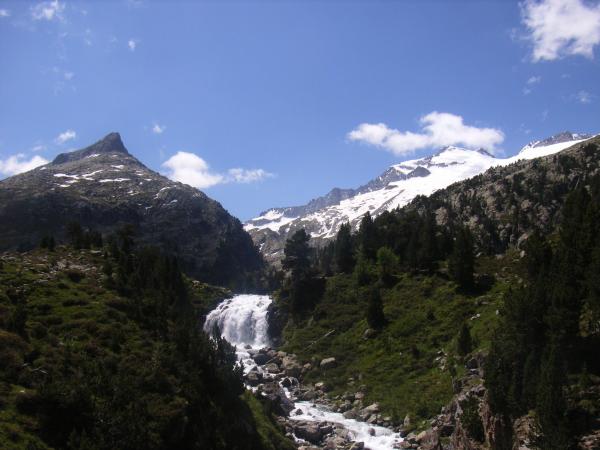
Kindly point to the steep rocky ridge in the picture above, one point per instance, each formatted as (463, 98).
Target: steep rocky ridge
(104, 187)
(505, 204)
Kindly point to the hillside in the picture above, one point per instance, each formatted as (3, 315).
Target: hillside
(96, 359)
(471, 315)
(395, 187)
(103, 187)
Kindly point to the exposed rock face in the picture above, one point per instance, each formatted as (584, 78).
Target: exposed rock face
(104, 187)
(505, 204)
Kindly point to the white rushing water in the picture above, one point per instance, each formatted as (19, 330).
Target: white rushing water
(243, 323)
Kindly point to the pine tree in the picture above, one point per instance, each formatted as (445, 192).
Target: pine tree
(464, 344)
(344, 254)
(297, 254)
(551, 405)
(375, 315)
(387, 264)
(367, 237)
(461, 264)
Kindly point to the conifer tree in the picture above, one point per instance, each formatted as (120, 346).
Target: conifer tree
(344, 254)
(375, 315)
(464, 344)
(367, 237)
(387, 264)
(297, 255)
(461, 264)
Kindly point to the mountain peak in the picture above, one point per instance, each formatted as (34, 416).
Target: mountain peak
(559, 138)
(111, 143)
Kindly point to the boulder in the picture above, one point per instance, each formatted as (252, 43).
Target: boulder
(372, 408)
(309, 431)
(272, 368)
(369, 333)
(328, 363)
(253, 378)
(290, 366)
(350, 414)
(261, 358)
(281, 405)
(308, 395)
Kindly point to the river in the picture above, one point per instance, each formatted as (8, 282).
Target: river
(243, 323)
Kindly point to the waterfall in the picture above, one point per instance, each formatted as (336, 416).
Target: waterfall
(242, 320)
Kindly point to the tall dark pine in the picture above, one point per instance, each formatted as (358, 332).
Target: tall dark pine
(367, 237)
(465, 342)
(375, 316)
(344, 254)
(297, 254)
(297, 260)
(462, 261)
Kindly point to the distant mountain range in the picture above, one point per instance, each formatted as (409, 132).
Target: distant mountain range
(394, 188)
(104, 187)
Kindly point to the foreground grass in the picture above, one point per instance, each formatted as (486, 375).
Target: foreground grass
(73, 322)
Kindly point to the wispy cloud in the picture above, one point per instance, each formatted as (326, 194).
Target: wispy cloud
(437, 130)
(239, 175)
(49, 10)
(19, 163)
(4, 13)
(531, 81)
(65, 136)
(560, 28)
(132, 44)
(158, 129)
(38, 148)
(191, 169)
(583, 97)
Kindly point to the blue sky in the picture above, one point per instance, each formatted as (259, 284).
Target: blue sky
(265, 104)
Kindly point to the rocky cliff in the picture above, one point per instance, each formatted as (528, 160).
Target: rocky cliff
(104, 187)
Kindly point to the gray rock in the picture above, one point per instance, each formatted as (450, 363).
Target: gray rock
(309, 431)
(328, 363)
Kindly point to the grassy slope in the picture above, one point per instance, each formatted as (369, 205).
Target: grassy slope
(76, 316)
(399, 365)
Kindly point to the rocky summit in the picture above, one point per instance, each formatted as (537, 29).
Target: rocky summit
(104, 187)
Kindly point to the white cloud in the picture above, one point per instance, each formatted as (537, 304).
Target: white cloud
(68, 76)
(17, 164)
(132, 44)
(438, 130)
(66, 136)
(49, 10)
(583, 97)
(38, 148)
(190, 169)
(559, 28)
(158, 129)
(4, 13)
(239, 175)
(530, 82)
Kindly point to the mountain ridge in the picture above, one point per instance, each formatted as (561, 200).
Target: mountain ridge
(391, 189)
(103, 187)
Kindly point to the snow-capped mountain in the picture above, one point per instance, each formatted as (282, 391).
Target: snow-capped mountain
(395, 187)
